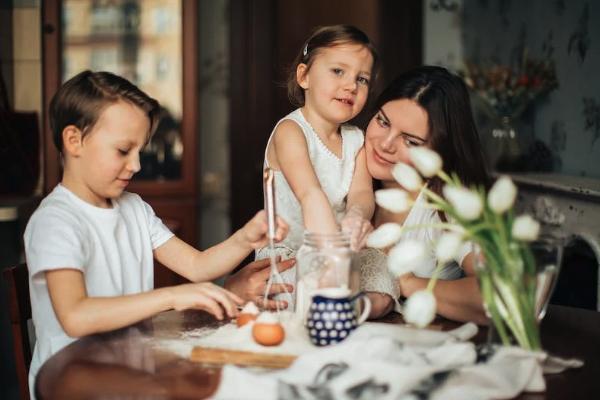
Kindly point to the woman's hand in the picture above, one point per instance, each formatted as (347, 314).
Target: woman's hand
(409, 284)
(250, 282)
(381, 304)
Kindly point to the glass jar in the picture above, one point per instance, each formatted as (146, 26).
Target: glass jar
(323, 261)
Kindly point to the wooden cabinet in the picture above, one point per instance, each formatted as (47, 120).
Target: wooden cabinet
(154, 44)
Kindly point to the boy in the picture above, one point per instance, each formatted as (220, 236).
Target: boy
(90, 245)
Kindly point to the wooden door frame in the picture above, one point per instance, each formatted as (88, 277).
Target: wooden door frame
(52, 70)
(251, 105)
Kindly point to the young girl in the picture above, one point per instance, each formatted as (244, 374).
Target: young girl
(321, 178)
(90, 245)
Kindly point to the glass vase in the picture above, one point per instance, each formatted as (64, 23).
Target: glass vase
(506, 142)
(548, 254)
(516, 303)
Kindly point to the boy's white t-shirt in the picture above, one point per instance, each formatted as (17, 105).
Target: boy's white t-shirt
(111, 247)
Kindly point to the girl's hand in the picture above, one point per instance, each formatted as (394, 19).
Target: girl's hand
(250, 282)
(206, 296)
(254, 233)
(357, 227)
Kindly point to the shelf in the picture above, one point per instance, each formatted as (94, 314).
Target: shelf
(574, 185)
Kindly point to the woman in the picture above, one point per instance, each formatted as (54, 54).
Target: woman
(430, 107)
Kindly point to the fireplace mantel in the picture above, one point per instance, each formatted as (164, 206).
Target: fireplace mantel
(588, 188)
(571, 204)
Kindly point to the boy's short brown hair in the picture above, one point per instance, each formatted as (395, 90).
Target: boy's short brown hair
(81, 100)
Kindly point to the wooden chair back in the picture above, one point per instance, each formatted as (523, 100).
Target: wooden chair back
(19, 311)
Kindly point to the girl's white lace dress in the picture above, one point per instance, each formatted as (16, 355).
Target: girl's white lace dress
(334, 174)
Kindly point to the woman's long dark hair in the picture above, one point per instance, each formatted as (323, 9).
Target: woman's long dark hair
(452, 131)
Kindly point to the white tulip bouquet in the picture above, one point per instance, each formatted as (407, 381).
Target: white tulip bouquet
(506, 270)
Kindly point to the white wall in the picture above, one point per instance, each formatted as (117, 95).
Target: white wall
(442, 34)
(213, 154)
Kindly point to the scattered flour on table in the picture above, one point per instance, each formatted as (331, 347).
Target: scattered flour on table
(229, 336)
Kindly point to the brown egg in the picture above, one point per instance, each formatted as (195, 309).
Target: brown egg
(243, 319)
(248, 313)
(268, 334)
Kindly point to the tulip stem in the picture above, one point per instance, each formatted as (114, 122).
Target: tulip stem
(434, 276)
(443, 225)
(434, 196)
(444, 176)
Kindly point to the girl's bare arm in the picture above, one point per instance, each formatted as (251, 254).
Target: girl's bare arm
(291, 153)
(361, 195)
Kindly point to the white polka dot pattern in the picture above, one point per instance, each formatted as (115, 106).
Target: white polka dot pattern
(330, 320)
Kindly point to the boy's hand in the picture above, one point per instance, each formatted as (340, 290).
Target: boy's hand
(208, 297)
(254, 233)
(354, 224)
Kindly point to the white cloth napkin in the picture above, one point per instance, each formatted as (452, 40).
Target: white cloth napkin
(392, 362)
(556, 365)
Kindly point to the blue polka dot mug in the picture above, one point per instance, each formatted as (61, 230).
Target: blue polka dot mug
(332, 315)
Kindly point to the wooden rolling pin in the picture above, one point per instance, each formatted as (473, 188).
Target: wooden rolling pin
(244, 358)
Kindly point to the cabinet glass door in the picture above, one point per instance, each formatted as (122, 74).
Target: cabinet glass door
(140, 40)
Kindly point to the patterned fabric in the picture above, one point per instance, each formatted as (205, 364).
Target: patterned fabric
(374, 273)
(330, 320)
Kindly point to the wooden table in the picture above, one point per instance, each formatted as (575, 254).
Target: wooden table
(124, 364)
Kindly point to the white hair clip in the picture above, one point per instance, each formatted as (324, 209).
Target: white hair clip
(305, 51)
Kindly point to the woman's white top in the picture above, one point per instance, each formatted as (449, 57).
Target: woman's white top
(421, 215)
(375, 276)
